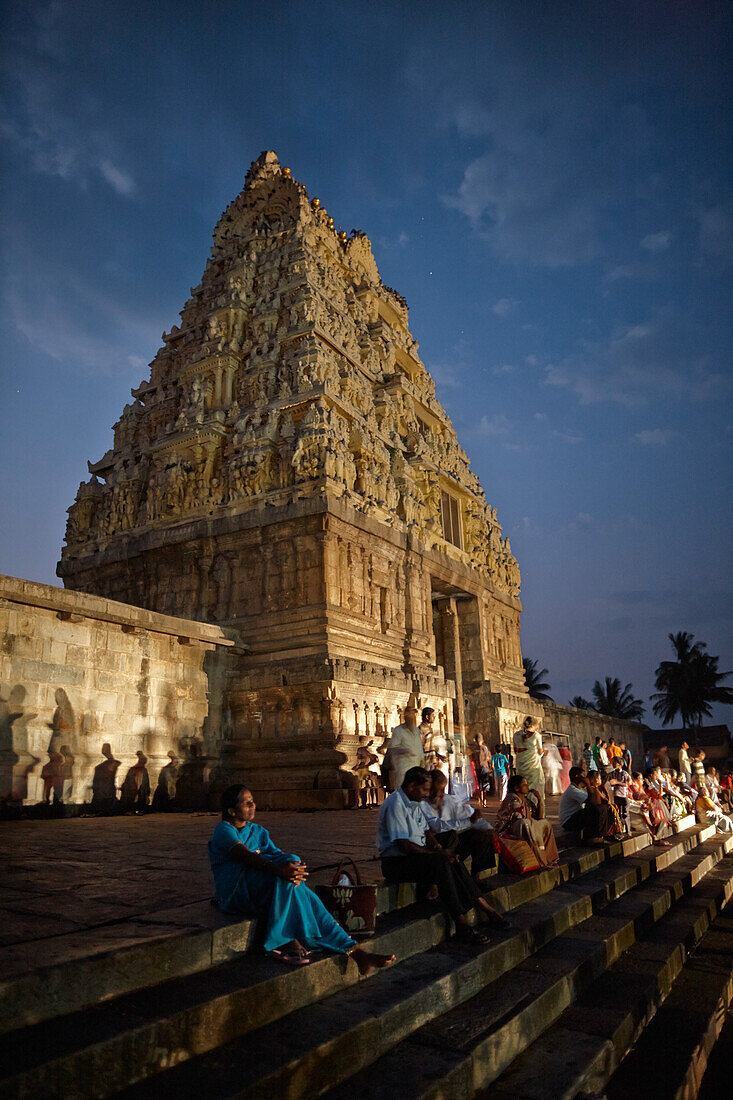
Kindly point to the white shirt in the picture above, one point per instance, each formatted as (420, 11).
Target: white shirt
(573, 799)
(453, 814)
(400, 819)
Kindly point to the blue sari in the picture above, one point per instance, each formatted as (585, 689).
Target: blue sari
(291, 912)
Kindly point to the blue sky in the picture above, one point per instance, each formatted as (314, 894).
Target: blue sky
(549, 186)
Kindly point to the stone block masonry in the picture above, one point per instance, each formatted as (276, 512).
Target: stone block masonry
(79, 673)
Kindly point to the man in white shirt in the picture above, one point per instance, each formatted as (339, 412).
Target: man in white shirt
(410, 853)
(459, 828)
(405, 746)
(578, 815)
(684, 762)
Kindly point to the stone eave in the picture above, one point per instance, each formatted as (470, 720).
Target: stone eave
(67, 602)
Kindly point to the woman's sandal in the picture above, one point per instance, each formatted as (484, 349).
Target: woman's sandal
(290, 958)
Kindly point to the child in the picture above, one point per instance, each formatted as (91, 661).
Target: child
(619, 783)
(501, 772)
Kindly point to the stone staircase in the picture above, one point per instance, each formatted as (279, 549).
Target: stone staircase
(597, 947)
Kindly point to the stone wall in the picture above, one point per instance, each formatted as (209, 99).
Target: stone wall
(85, 680)
(583, 725)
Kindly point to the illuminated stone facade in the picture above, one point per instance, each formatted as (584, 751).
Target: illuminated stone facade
(288, 472)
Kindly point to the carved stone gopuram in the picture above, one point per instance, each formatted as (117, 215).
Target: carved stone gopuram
(287, 471)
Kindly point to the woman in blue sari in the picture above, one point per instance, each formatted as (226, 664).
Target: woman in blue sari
(253, 876)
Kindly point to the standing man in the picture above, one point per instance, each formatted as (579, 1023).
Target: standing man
(589, 758)
(529, 753)
(406, 746)
(435, 744)
(684, 762)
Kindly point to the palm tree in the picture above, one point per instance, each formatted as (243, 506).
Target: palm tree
(617, 702)
(689, 685)
(533, 677)
(580, 703)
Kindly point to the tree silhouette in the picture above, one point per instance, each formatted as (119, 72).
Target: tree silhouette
(689, 685)
(615, 701)
(580, 703)
(533, 678)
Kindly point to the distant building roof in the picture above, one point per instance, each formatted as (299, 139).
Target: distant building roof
(673, 738)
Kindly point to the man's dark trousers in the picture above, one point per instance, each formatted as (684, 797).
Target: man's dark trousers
(456, 888)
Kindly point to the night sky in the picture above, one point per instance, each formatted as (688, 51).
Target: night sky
(549, 186)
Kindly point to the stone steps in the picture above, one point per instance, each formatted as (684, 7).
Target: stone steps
(206, 1017)
(462, 1052)
(694, 1013)
(139, 1035)
(133, 955)
(581, 1051)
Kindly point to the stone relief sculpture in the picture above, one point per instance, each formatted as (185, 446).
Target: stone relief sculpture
(282, 316)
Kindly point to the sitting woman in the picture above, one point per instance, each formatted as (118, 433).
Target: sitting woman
(707, 813)
(521, 815)
(253, 877)
(640, 807)
(654, 788)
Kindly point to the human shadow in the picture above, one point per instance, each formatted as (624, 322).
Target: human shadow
(165, 792)
(17, 762)
(104, 783)
(135, 790)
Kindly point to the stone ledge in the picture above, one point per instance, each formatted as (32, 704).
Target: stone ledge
(67, 603)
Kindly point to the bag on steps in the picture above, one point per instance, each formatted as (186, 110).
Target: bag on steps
(516, 855)
(354, 906)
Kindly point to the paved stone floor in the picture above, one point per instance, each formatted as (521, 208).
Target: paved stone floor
(66, 884)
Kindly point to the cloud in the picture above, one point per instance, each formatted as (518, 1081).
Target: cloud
(494, 426)
(657, 242)
(503, 306)
(567, 437)
(70, 319)
(541, 417)
(524, 210)
(667, 354)
(51, 118)
(505, 368)
(121, 181)
(654, 437)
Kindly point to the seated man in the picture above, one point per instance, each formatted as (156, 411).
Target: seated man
(458, 828)
(579, 815)
(410, 853)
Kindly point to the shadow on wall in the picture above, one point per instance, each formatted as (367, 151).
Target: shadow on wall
(64, 778)
(16, 761)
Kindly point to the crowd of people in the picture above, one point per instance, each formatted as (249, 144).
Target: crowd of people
(432, 821)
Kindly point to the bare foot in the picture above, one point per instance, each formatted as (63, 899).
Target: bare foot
(493, 915)
(368, 962)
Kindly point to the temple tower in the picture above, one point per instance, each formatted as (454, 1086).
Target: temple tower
(287, 471)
